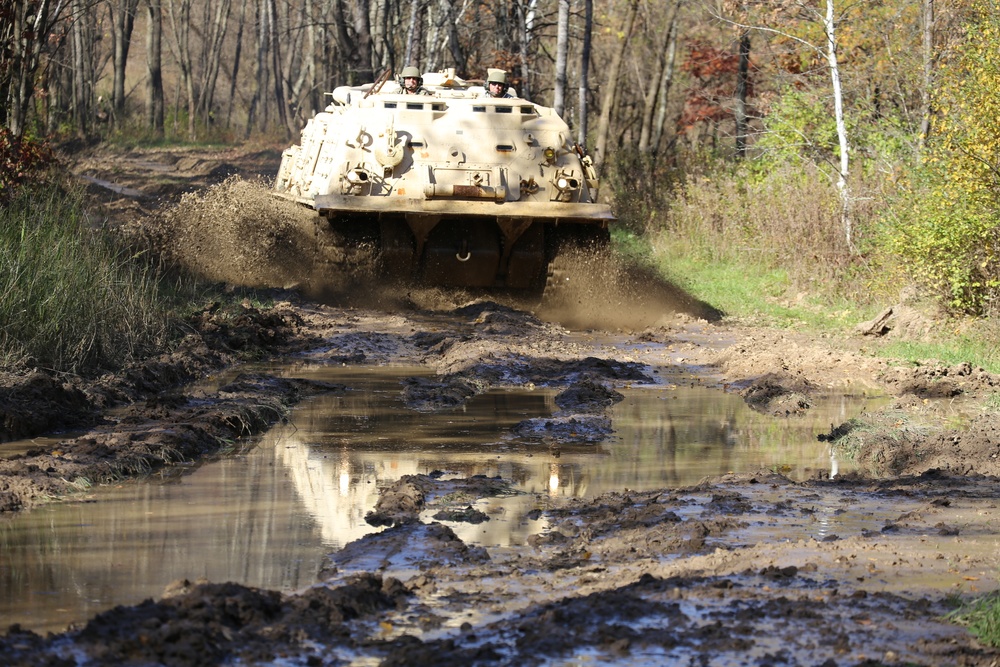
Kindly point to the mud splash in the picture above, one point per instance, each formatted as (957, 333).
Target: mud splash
(237, 232)
(611, 292)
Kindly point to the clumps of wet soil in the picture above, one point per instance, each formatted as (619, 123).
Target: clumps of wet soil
(629, 525)
(588, 395)
(42, 402)
(212, 624)
(426, 395)
(894, 442)
(577, 429)
(545, 371)
(159, 426)
(771, 395)
(165, 429)
(409, 544)
(604, 583)
(580, 420)
(403, 501)
(936, 380)
(411, 547)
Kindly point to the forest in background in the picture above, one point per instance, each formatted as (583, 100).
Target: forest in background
(853, 143)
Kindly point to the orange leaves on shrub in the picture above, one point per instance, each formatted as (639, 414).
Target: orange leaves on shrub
(711, 93)
(20, 159)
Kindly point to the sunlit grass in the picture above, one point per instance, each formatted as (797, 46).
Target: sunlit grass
(747, 291)
(979, 352)
(981, 617)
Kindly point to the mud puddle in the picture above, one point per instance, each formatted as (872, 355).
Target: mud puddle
(264, 516)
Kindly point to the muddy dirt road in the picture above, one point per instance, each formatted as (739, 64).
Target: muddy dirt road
(749, 569)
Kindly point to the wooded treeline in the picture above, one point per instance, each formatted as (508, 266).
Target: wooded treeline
(625, 72)
(865, 92)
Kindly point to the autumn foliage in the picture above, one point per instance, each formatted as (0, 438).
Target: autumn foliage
(20, 161)
(713, 81)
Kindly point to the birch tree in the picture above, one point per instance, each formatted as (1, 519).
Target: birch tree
(661, 79)
(562, 47)
(179, 15)
(780, 12)
(584, 90)
(666, 83)
(215, 31)
(526, 38)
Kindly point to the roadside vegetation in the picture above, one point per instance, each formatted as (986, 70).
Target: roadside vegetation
(71, 299)
(785, 232)
(982, 617)
(77, 298)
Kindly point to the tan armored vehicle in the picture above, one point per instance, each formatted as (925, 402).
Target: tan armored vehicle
(455, 187)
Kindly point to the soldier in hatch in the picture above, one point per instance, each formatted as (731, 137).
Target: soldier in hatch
(496, 84)
(413, 82)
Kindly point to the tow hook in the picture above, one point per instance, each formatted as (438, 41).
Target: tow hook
(463, 253)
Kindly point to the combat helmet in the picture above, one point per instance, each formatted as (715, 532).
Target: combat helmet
(498, 76)
(411, 72)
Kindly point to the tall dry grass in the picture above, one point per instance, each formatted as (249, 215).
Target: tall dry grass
(786, 218)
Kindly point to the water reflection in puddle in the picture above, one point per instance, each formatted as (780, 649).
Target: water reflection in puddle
(266, 516)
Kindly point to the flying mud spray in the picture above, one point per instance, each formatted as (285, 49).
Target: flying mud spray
(238, 233)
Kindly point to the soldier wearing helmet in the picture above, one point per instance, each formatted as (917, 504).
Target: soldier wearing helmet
(496, 84)
(412, 83)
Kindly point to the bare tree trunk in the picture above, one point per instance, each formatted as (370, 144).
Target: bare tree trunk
(458, 55)
(664, 62)
(665, 85)
(588, 30)
(413, 35)
(22, 40)
(179, 13)
(257, 104)
(526, 34)
(279, 87)
(215, 37)
(124, 22)
(354, 39)
(154, 66)
(742, 81)
(611, 86)
(236, 62)
(562, 46)
(929, 62)
(434, 44)
(364, 65)
(304, 84)
(81, 75)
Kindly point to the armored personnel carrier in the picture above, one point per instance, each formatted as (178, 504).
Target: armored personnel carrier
(454, 188)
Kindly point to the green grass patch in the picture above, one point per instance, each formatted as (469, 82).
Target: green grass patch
(981, 352)
(749, 291)
(70, 299)
(982, 617)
